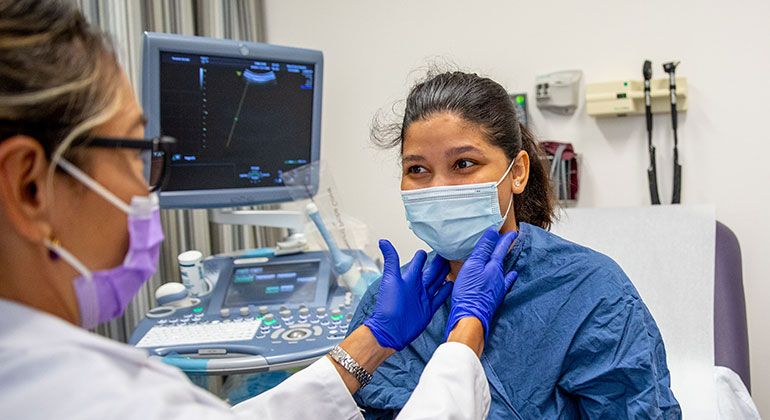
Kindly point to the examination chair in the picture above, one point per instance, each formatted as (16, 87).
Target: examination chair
(731, 338)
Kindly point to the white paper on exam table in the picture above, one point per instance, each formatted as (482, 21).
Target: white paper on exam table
(668, 253)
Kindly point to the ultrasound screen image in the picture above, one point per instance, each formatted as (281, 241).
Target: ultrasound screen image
(239, 123)
(268, 284)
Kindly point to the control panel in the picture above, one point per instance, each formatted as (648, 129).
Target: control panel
(263, 314)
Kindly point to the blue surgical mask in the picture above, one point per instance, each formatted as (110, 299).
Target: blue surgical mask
(452, 218)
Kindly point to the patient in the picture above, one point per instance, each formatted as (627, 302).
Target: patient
(572, 339)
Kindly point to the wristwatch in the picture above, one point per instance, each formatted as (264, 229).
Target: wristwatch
(343, 358)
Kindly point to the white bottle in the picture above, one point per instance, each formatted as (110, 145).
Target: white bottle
(192, 272)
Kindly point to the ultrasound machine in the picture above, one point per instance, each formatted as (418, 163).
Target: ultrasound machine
(244, 114)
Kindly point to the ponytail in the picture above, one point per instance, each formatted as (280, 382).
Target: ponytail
(535, 205)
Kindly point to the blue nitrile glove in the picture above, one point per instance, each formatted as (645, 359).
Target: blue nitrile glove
(406, 303)
(481, 285)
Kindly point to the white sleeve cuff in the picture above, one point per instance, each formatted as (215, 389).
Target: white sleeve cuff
(316, 392)
(452, 386)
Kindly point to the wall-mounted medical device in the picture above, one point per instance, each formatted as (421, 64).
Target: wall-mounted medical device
(563, 162)
(626, 97)
(520, 104)
(559, 92)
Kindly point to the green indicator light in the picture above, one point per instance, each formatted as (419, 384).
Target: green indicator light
(239, 73)
(260, 318)
(519, 99)
(337, 317)
(198, 310)
(272, 289)
(243, 279)
(270, 322)
(625, 83)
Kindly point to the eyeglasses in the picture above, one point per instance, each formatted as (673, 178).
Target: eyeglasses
(161, 149)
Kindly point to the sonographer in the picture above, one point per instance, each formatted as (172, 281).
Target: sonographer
(80, 233)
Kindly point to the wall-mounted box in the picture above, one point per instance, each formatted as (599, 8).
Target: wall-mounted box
(558, 92)
(626, 97)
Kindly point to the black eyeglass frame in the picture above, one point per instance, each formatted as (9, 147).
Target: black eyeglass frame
(163, 144)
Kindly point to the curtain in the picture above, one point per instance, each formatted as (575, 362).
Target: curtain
(125, 21)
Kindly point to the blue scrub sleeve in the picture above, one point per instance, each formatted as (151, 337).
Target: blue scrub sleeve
(616, 364)
(364, 311)
(365, 307)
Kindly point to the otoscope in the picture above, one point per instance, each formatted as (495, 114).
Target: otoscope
(670, 68)
(652, 172)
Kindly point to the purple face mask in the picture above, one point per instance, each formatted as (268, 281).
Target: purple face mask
(104, 295)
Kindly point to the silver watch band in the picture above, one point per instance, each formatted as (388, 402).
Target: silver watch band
(343, 358)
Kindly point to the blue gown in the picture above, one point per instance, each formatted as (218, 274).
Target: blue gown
(571, 340)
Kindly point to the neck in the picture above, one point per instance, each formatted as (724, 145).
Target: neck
(508, 226)
(31, 278)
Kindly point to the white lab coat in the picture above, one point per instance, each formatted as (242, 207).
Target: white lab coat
(50, 369)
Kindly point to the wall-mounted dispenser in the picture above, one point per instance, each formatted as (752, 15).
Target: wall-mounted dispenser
(626, 97)
(559, 92)
(520, 104)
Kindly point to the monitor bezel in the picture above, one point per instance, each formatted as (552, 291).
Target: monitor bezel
(155, 43)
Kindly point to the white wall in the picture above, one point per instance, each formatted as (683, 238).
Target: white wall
(372, 47)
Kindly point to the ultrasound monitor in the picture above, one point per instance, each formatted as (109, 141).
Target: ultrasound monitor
(243, 115)
(271, 284)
